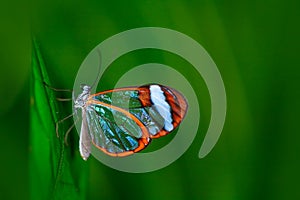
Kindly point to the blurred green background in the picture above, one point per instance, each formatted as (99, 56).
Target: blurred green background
(255, 46)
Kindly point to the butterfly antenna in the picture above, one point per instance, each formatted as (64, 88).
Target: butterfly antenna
(99, 69)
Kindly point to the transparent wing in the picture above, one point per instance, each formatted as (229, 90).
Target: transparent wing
(159, 108)
(123, 121)
(114, 131)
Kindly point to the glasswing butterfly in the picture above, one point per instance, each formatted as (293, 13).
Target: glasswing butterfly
(123, 121)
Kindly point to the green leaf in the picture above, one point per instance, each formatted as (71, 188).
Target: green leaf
(56, 171)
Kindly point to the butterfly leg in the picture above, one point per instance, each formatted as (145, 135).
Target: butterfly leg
(60, 90)
(68, 131)
(63, 99)
(56, 89)
(60, 121)
(67, 117)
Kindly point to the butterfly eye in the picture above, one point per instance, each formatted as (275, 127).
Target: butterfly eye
(85, 87)
(82, 86)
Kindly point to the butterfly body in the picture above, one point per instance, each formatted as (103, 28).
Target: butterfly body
(123, 121)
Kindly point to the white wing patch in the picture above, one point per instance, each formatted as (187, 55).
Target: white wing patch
(159, 100)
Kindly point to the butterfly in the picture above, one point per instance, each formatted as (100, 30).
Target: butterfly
(123, 121)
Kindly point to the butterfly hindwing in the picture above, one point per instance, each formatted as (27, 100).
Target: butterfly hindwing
(115, 131)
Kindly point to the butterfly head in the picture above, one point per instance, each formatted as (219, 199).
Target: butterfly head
(82, 98)
(85, 88)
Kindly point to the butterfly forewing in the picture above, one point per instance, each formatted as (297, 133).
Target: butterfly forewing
(122, 121)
